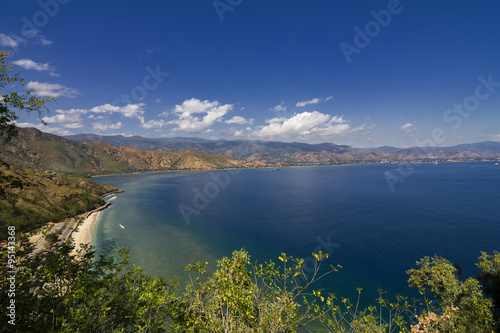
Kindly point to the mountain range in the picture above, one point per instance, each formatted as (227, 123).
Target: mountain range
(90, 154)
(301, 153)
(40, 150)
(295, 153)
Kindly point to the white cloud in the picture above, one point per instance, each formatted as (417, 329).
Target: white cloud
(304, 103)
(190, 123)
(30, 64)
(495, 137)
(337, 119)
(105, 108)
(47, 129)
(66, 117)
(73, 125)
(106, 126)
(38, 126)
(304, 125)
(132, 110)
(57, 130)
(313, 101)
(232, 132)
(9, 41)
(129, 110)
(73, 118)
(280, 107)
(276, 120)
(239, 120)
(52, 89)
(152, 123)
(409, 127)
(195, 105)
(45, 42)
(359, 128)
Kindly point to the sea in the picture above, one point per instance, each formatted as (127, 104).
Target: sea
(374, 220)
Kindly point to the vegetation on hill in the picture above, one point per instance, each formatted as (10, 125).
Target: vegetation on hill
(44, 151)
(43, 197)
(58, 291)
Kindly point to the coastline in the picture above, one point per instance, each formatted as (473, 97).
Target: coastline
(83, 233)
(289, 166)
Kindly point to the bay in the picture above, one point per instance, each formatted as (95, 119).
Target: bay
(374, 233)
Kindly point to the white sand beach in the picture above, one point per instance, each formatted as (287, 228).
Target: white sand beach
(84, 233)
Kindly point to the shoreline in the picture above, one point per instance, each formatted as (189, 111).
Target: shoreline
(83, 233)
(290, 166)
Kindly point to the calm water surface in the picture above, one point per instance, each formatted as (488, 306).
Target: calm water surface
(450, 209)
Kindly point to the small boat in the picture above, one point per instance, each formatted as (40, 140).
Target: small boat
(275, 170)
(496, 164)
(121, 226)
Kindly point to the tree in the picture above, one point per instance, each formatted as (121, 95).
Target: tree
(244, 297)
(462, 305)
(12, 102)
(63, 291)
(490, 278)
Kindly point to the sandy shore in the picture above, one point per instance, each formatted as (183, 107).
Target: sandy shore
(84, 233)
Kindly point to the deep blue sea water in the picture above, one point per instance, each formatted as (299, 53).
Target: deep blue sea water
(450, 209)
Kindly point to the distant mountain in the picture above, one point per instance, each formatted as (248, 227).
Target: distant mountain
(84, 154)
(486, 147)
(300, 153)
(479, 150)
(50, 152)
(244, 148)
(385, 149)
(248, 150)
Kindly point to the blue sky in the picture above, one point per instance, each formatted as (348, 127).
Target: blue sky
(362, 73)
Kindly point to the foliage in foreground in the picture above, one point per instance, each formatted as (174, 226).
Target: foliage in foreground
(65, 292)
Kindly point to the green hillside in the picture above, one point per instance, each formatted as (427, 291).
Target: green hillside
(45, 197)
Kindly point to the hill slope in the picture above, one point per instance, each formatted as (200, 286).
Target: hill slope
(50, 152)
(45, 197)
(479, 150)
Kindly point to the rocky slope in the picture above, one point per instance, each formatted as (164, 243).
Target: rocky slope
(300, 153)
(53, 153)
